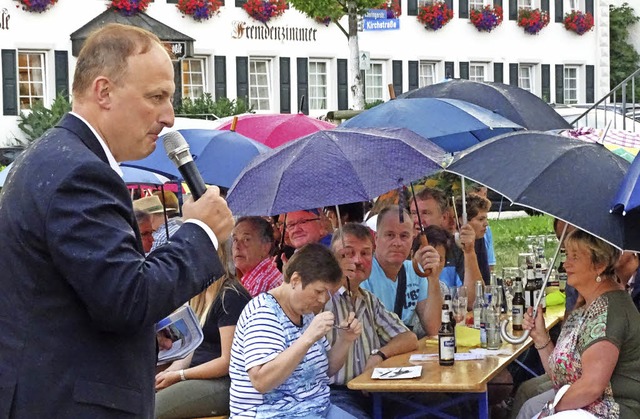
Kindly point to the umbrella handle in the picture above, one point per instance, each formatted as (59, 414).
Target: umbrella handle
(416, 266)
(507, 337)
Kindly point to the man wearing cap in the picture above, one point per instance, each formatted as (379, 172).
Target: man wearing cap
(152, 205)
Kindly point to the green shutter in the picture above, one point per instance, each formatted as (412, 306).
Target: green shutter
(285, 85)
(303, 85)
(9, 82)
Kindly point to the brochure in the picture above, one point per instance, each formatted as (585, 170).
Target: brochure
(396, 373)
(178, 335)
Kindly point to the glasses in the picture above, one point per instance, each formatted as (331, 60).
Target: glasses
(295, 224)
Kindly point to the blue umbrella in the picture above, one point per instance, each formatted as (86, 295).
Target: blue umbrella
(452, 124)
(628, 196)
(332, 167)
(219, 155)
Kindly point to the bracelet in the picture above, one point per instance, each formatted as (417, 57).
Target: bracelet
(182, 377)
(542, 346)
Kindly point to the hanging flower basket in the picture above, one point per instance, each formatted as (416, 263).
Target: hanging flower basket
(326, 21)
(37, 6)
(265, 10)
(392, 7)
(129, 7)
(532, 21)
(578, 21)
(486, 19)
(434, 16)
(199, 10)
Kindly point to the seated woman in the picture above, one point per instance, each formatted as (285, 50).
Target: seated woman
(199, 384)
(280, 358)
(595, 365)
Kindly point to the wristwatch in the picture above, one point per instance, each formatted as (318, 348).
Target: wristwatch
(380, 354)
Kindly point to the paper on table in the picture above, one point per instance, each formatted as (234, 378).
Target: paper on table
(396, 373)
(483, 351)
(462, 356)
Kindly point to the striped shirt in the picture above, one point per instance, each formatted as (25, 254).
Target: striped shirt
(160, 235)
(262, 278)
(379, 326)
(263, 332)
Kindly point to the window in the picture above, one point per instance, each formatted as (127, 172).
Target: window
(477, 71)
(526, 77)
(422, 3)
(318, 85)
(260, 84)
(426, 74)
(476, 4)
(31, 79)
(575, 5)
(373, 83)
(570, 85)
(525, 4)
(193, 85)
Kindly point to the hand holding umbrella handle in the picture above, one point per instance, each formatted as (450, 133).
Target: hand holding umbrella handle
(416, 266)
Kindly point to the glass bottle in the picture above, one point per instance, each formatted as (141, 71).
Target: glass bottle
(518, 305)
(530, 287)
(562, 272)
(478, 304)
(446, 339)
(492, 326)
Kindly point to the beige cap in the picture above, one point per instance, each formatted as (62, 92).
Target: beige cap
(150, 205)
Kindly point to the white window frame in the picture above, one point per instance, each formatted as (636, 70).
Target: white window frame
(575, 5)
(314, 96)
(377, 92)
(189, 73)
(526, 4)
(477, 4)
(423, 79)
(474, 67)
(422, 3)
(531, 69)
(256, 99)
(29, 95)
(572, 91)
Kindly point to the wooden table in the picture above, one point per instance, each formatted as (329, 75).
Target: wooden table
(467, 379)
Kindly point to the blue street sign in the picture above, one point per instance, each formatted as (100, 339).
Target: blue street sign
(376, 14)
(381, 24)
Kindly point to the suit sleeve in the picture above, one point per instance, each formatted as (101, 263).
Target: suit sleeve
(93, 243)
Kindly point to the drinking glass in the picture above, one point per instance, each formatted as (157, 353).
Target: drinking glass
(461, 300)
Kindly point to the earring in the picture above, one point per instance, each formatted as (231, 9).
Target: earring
(598, 279)
(293, 287)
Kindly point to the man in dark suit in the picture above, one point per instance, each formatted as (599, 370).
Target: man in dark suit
(78, 298)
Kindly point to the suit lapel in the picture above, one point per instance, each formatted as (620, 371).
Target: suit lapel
(82, 130)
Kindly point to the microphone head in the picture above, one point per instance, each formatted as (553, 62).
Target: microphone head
(177, 148)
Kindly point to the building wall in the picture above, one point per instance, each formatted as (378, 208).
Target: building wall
(458, 43)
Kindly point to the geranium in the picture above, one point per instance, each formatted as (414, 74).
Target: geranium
(199, 9)
(578, 22)
(392, 7)
(263, 10)
(434, 16)
(129, 7)
(486, 19)
(532, 20)
(37, 6)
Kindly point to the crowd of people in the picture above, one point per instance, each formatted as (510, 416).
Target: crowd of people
(292, 307)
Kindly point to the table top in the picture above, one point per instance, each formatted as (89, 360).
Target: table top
(464, 376)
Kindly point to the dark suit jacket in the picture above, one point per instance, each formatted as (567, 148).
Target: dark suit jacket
(78, 299)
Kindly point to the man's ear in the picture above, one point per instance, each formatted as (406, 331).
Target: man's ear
(102, 89)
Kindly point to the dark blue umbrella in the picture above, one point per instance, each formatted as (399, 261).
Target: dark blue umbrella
(568, 179)
(516, 104)
(628, 196)
(330, 168)
(219, 155)
(452, 124)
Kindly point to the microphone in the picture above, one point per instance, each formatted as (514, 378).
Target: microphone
(178, 151)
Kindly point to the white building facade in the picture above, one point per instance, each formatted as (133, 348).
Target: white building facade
(295, 56)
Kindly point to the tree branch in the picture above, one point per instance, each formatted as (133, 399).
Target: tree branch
(341, 28)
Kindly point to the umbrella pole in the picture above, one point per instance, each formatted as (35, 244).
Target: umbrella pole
(343, 245)
(503, 327)
(423, 238)
(164, 211)
(464, 201)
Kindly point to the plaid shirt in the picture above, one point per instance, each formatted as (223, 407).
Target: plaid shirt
(379, 326)
(262, 278)
(160, 235)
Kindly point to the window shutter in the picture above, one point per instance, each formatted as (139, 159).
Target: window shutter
(285, 85)
(544, 5)
(513, 9)
(559, 83)
(397, 76)
(9, 82)
(463, 9)
(546, 83)
(242, 78)
(220, 76)
(62, 73)
(177, 80)
(303, 85)
(497, 3)
(412, 8)
(559, 12)
(513, 74)
(449, 71)
(588, 7)
(590, 82)
(498, 72)
(464, 70)
(413, 75)
(449, 4)
(343, 85)
(240, 3)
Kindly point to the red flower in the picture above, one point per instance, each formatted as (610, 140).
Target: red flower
(532, 20)
(37, 6)
(129, 7)
(486, 19)
(578, 22)
(199, 9)
(392, 7)
(435, 16)
(264, 10)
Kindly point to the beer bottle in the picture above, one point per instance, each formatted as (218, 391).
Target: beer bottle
(539, 290)
(446, 339)
(452, 320)
(530, 287)
(478, 305)
(517, 306)
(562, 271)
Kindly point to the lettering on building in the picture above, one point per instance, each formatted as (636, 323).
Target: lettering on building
(240, 29)
(4, 19)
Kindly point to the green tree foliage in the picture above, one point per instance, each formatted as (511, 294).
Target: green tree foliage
(205, 107)
(333, 9)
(40, 118)
(624, 58)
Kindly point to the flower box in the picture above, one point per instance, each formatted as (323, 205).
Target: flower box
(578, 22)
(37, 6)
(434, 16)
(199, 10)
(532, 20)
(265, 10)
(129, 7)
(392, 7)
(486, 19)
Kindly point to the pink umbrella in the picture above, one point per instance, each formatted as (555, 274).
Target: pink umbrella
(274, 130)
(623, 143)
